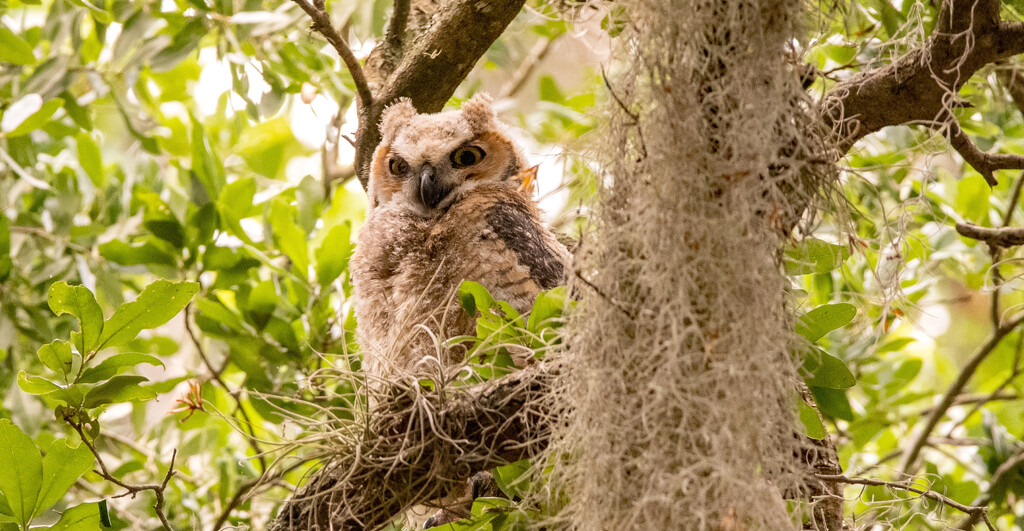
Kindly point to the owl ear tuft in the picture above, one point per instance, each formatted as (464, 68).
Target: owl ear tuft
(394, 116)
(478, 112)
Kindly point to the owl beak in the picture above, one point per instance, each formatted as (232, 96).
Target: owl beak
(432, 191)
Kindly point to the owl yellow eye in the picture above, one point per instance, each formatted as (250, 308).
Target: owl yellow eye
(467, 156)
(398, 166)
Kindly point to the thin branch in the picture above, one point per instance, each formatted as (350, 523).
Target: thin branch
(972, 510)
(995, 237)
(907, 463)
(132, 490)
(985, 163)
(235, 394)
(322, 25)
(1011, 206)
(38, 232)
(975, 400)
(1001, 474)
(533, 58)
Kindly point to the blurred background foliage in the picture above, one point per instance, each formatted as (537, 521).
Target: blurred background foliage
(186, 141)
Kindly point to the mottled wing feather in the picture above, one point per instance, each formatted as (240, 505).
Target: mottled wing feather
(522, 234)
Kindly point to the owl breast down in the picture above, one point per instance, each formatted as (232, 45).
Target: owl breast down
(407, 269)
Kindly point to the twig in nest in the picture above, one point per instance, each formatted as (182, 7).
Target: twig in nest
(995, 237)
(978, 511)
(322, 25)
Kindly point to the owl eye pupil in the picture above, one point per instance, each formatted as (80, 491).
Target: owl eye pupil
(467, 156)
(398, 166)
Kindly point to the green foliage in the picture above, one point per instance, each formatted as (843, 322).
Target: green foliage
(161, 224)
(502, 333)
(31, 484)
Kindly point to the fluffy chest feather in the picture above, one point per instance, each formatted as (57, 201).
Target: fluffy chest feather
(406, 270)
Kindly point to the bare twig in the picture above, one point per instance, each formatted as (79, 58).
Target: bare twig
(332, 171)
(234, 393)
(38, 232)
(322, 25)
(980, 511)
(1011, 205)
(132, 490)
(985, 163)
(533, 58)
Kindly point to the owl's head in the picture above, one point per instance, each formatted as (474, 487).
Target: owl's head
(430, 160)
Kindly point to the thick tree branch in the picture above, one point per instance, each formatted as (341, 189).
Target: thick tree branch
(921, 85)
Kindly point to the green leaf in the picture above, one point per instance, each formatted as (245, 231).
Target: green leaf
(972, 199)
(815, 256)
(156, 305)
(486, 505)
(122, 253)
(56, 356)
(14, 49)
(116, 364)
(291, 239)
(235, 204)
(71, 395)
(123, 388)
(511, 478)
(814, 324)
(17, 126)
(90, 159)
(892, 19)
(6, 514)
(332, 255)
(821, 369)
(262, 300)
(35, 385)
(811, 421)
(80, 302)
(104, 514)
(79, 518)
(473, 296)
(833, 402)
(22, 471)
(207, 166)
(62, 466)
(548, 305)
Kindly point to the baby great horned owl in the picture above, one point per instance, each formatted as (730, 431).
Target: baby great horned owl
(447, 204)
